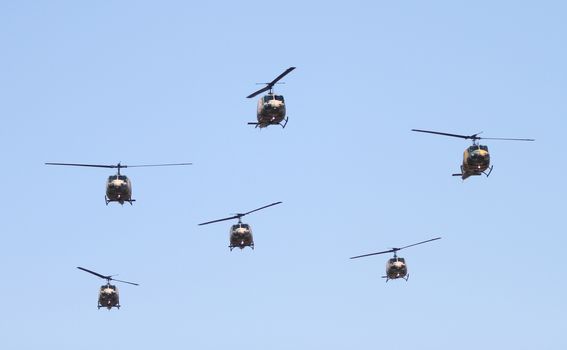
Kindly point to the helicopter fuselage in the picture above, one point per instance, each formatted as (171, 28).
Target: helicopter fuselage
(476, 160)
(396, 268)
(118, 189)
(271, 111)
(108, 297)
(241, 236)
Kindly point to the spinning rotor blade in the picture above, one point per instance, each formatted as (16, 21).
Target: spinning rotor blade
(119, 166)
(411, 245)
(393, 250)
(264, 207)
(254, 94)
(95, 273)
(474, 137)
(108, 278)
(132, 283)
(505, 139)
(271, 84)
(88, 165)
(239, 215)
(384, 252)
(153, 165)
(225, 219)
(471, 137)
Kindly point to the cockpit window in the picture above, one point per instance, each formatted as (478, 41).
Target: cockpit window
(112, 177)
(122, 177)
(477, 147)
(267, 98)
(279, 97)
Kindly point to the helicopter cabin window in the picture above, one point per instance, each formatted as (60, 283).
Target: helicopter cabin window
(112, 177)
(279, 98)
(484, 148)
(267, 98)
(122, 177)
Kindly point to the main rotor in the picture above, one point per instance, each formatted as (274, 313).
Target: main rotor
(118, 166)
(269, 86)
(107, 278)
(239, 215)
(473, 137)
(394, 250)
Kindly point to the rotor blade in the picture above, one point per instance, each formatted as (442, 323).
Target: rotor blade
(87, 165)
(271, 84)
(446, 134)
(279, 77)
(254, 94)
(384, 252)
(505, 139)
(225, 219)
(266, 206)
(153, 165)
(135, 284)
(411, 245)
(95, 273)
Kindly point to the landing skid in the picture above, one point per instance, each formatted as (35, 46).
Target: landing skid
(263, 125)
(387, 278)
(106, 200)
(465, 174)
(241, 246)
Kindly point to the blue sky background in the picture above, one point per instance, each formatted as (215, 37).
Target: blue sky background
(150, 82)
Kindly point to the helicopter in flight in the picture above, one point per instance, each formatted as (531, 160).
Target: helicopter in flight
(395, 267)
(118, 186)
(240, 233)
(108, 293)
(476, 158)
(271, 107)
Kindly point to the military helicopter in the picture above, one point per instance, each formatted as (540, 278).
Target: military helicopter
(108, 294)
(240, 234)
(271, 107)
(118, 187)
(476, 159)
(395, 267)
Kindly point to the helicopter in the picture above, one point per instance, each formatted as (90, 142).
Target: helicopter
(396, 267)
(476, 158)
(271, 107)
(118, 186)
(108, 293)
(240, 233)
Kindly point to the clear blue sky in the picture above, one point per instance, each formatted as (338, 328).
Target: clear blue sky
(165, 81)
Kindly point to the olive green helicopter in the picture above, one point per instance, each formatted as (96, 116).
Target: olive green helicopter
(395, 267)
(240, 233)
(108, 296)
(271, 107)
(476, 158)
(118, 186)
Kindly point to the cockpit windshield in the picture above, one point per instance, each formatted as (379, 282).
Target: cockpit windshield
(268, 98)
(279, 98)
(117, 177)
(477, 147)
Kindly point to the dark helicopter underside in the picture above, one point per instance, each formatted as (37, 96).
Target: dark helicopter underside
(118, 194)
(241, 240)
(393, 272)
(108, 300)
(271, 116)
